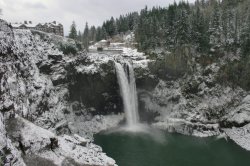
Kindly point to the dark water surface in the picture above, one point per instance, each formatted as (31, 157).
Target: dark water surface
(131, 149)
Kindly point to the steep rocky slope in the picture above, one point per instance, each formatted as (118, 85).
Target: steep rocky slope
(190, 98)
(34, 86)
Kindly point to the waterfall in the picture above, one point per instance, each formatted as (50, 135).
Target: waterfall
(126, 80)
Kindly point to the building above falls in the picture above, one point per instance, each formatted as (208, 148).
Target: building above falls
(51, 27)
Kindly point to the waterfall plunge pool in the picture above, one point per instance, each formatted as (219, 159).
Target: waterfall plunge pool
(142, 149)
(139, 145)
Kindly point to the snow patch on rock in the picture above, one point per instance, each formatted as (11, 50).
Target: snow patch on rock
(38, 141)
(241, 136)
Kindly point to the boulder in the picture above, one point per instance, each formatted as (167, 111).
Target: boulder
(82, 141)
(239, 117)
(240, 136)
(36, 142)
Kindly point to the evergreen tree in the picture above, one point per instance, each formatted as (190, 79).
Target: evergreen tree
(86, 36)
(79, 36)
(119, 24)
(98, 34)
(171, 24)
(199, 30)
(215, 29)
(183, 35)
(92, 34)
(245, 37)
(132, 21)
(104, 34)
(228, 22)
(141, 31)
(111, 27)
(122, 24)
(73, 32)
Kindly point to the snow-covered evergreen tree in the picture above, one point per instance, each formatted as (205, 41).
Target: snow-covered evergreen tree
(183, 33)
(228, 26)
(245, 37)
(73, 31)
(199, 30)
(215, 29)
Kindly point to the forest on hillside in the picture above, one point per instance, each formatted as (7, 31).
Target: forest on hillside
(205, 24)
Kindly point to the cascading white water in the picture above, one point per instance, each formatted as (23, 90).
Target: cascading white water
(126, 80)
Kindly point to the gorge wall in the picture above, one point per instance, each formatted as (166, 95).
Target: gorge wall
(40, 122)
(55, 96)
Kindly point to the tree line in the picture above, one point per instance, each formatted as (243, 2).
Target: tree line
(108, 29)
(206, 25)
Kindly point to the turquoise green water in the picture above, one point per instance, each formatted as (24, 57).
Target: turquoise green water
(130, 149)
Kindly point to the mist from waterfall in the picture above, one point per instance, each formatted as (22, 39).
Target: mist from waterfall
(126, 80)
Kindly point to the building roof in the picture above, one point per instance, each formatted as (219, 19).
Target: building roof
(32, 25)
(16, 25)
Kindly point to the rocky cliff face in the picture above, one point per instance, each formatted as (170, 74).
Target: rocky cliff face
(191, 99)
(35, 79)
(98, 89)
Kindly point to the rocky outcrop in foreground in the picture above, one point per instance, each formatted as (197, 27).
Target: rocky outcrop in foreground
(39, 123)
(42, 147)
(239, 122)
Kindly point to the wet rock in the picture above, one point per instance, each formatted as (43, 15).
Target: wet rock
(45, 67)
(239, 117)
(58, 79)
(145, 80)
(188, 128)
(89, 90)
(56, 58)
(53, 143)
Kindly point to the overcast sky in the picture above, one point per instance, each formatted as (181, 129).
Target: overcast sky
(65, 11)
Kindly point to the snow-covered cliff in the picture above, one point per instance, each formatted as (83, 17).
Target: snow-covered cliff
(34, 101)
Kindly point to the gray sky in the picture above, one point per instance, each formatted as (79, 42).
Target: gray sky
(65, 11)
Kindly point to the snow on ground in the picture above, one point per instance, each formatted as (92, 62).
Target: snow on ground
(141, 63)
(240, 114)
(187, 128)
(241, 136)
(129, 38)
(58, 149)
(93, 63)
(90, 69)
(133, 53)
(96, 59)
(116, 51)
(94, 125)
